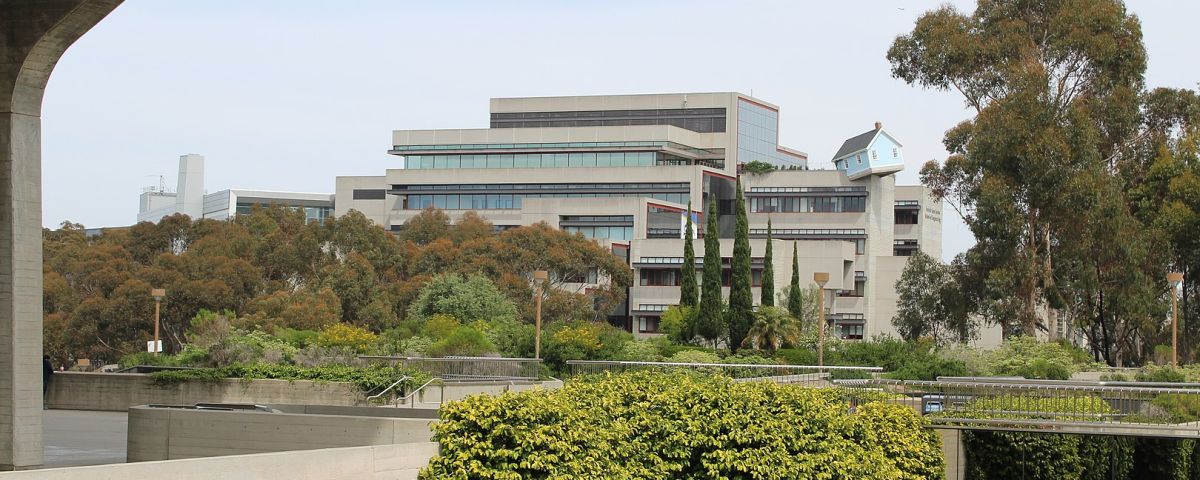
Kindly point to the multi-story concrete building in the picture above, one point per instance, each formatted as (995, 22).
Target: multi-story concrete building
(189, 198)
(622, 169)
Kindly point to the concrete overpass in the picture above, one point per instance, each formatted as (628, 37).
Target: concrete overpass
(33, 36)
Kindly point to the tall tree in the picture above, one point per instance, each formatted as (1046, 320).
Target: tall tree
(688, 290)
(710, 321)
(794, 299)
(1054, 85)
(767, 296)
(927, 305)
(741, 298)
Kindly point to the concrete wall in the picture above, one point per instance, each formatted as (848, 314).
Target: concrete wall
(116, 392)
(171, 433)
(378, 462)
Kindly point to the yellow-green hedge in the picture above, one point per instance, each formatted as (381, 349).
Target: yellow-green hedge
(679, 425)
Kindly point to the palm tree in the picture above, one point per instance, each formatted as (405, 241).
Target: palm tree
(773, 327)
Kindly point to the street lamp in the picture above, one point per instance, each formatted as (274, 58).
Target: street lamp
(158, 295)
(1174, 278)
(821, 278)
(539, 277)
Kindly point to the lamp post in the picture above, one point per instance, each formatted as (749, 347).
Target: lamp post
(1174, 278)
(821, 278)
(158, 295)
(539, 277)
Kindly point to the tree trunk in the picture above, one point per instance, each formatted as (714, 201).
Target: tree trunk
(1047, 286)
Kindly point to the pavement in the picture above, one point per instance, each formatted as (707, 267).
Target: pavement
(75, 437)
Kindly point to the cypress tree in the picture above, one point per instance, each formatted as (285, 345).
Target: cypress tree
(741, 299)
(711, 318)
(767, 299)
(794, 304)
(688, 290)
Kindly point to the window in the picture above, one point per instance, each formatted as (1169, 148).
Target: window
(647, 324)
(874, 155)
(859, 157)
(369, 194)
(907, 217)
(895, 153)
(850, 332)
(659, 278)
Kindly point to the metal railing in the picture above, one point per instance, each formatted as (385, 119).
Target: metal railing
(468, 368)
(1125, 408)
(389, 388)
(739, 371)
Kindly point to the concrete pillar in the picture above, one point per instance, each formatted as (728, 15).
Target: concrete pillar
(33, 36)
(189, 194)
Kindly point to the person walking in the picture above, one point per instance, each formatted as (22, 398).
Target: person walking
(47, 371)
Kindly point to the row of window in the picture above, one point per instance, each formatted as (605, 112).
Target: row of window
(542, 160)
(311, 214)
(809, 189)
(703, 120)
(672, 277)
(611, 233)
(561, 145)
(512, 201)
(808, 204)
(907, 217)
(542, 186)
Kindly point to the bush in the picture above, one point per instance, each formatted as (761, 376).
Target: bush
(296, 338)
(581, 340)
(678, 425)
(1029, 358)
(440, 326)
(367, 379)
(639, 351)
(694, 356)
(463, 341)
(342, 335)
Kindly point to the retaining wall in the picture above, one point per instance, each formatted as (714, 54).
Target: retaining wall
(174, 433)
(377, 462)
(116, 392)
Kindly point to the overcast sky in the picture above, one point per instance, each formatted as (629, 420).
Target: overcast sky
(286, 95)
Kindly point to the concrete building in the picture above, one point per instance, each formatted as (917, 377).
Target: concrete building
(190, 198)
(621, 169)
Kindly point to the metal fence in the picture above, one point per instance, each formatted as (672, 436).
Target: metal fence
(1121, 408)
(738, 371)
(467, 368)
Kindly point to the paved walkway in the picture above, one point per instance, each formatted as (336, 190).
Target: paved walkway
(75, 437)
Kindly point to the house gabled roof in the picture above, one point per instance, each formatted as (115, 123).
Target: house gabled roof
(856, 144)
(862, 142)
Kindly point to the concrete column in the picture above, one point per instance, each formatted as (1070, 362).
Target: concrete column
(33, 36)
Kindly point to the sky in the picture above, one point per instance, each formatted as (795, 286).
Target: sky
(288, 94)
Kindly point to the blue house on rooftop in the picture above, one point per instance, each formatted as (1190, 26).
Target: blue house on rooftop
(875, 152)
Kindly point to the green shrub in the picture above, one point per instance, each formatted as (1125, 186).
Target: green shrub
(440, 326)
(368, 379)
(1166, 459)
(342, 335)
(1029, 358)
(678, 425)
(639, 351)
(1178, 408)
(694, 356)
(1158, 373)
(296, 338)
(463, 341)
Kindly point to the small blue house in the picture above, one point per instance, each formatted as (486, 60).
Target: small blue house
(875, 152)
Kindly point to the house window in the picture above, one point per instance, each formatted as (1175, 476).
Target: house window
(859, 157)
(874, 155)
(895, 153)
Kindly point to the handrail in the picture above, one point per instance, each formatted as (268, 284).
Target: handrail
(388, 389)
(418, 390)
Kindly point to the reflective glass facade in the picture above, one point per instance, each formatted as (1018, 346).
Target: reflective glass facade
(311, 214)
(510, 196)
(758, 135)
